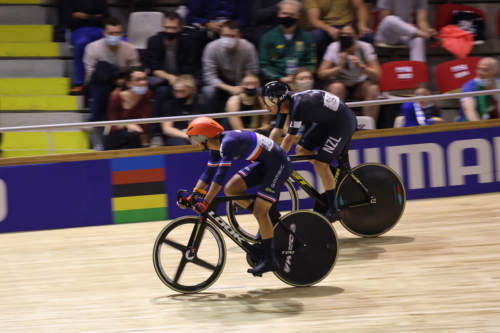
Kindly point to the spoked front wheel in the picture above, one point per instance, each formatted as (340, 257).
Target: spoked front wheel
(303, 266)
(372, 219)
(247, 228)
(175, 264)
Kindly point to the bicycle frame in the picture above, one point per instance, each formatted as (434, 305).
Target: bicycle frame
(199, 228)
(343, 164)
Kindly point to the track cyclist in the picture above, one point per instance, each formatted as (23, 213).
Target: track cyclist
(333, 126)
(271, 170)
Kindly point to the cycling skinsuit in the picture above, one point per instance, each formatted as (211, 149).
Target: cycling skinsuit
(271, 170)
(334, 123)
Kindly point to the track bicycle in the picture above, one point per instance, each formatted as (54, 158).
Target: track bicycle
(189, 254)
(371, 198)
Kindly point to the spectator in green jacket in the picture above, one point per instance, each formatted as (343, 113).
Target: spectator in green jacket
(286, 47)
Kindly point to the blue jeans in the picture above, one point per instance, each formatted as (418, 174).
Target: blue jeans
(79, 39)
(99, 93)
(323, 40)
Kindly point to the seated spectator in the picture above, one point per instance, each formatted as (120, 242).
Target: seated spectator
(169, 54)
(328, 17)
(482, 107)
(184, 104)
(224, 62)
(263, 19)
(354, 67)
(302, 80)
(421, 113)
(286, 47)
(104, 61)
(132, 103)
(246, 101)
(85, 19)
(396, 25)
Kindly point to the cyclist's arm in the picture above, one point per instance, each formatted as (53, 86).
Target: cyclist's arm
(228, 147)
(276, 134)
(278, 128)
(287, 142)
(210, 171)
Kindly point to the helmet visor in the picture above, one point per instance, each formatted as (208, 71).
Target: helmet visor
(198, 138)
(270, 100)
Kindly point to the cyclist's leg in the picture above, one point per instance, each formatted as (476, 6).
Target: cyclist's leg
(248, 177)
(312, 139)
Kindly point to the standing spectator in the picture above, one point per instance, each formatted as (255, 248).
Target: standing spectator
(354, 66)
(263, 19)
(421, 113)
(248, 100)
(169, 54)
(286, 47)
(482, 107)
(209, 15)
(104, 59)
(85, 19)
(303, 80)
(396, 25)
(329, 16)
(184, 104)
(132, 103)
(224, 62)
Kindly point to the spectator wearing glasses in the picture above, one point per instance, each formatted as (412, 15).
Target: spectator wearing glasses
(105, 60)
(248, 100)
(328, 17)
(354, 69)
(224, 63)
(169, 54)
(185, 103)
(286, 47)
(421, 113)
(134, 102)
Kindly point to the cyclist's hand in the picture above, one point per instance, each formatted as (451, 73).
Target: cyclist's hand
(200, 207)
(183, 202)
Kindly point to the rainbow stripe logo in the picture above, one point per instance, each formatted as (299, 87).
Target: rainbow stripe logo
(139, 193)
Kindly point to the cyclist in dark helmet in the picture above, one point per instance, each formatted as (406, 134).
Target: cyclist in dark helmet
(333, 126)
(270, 170)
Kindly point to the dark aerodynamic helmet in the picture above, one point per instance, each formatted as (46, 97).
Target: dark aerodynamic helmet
(275, 92)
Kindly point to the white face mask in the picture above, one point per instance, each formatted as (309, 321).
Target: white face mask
(229, 43)
(304, 85)
(482, 82)
(113, 40)
(139, 90)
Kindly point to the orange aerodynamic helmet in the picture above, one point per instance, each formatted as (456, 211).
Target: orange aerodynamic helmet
(203, 128)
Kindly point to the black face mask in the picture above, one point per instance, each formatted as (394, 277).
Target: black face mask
(171, 35)
(250, 92)
(287, 21)
(182, 100)
(345, 42)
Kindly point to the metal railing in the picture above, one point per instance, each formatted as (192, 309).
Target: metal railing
(50, 128)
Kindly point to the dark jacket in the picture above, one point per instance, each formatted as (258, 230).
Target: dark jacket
(91, 7)
(105, 73)
(264, 12)
(186, 54)
(173, 108)
(203, 11)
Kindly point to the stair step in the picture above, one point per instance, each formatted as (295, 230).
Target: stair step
(45, 86)
(23, 15)
(26, 33)
(29, 49)
(40, 118)
(41, 103)
(31, 68)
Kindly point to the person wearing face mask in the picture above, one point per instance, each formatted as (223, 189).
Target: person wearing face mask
(134, 102)
(353, 69)
(85, 19)
(113, 52)
(224, 63)
(421, 113)
(169, 54)
(185, 103)
(303, 80)
(482, 107)
(248, 100)
(286, 47)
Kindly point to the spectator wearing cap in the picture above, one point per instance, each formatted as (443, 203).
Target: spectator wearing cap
(225, 61)
(105, 60)
(353, 69)
(396, 25)
(328, 17)
(286, 47)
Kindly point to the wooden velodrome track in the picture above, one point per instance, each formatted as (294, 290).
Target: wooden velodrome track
(438, 270)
